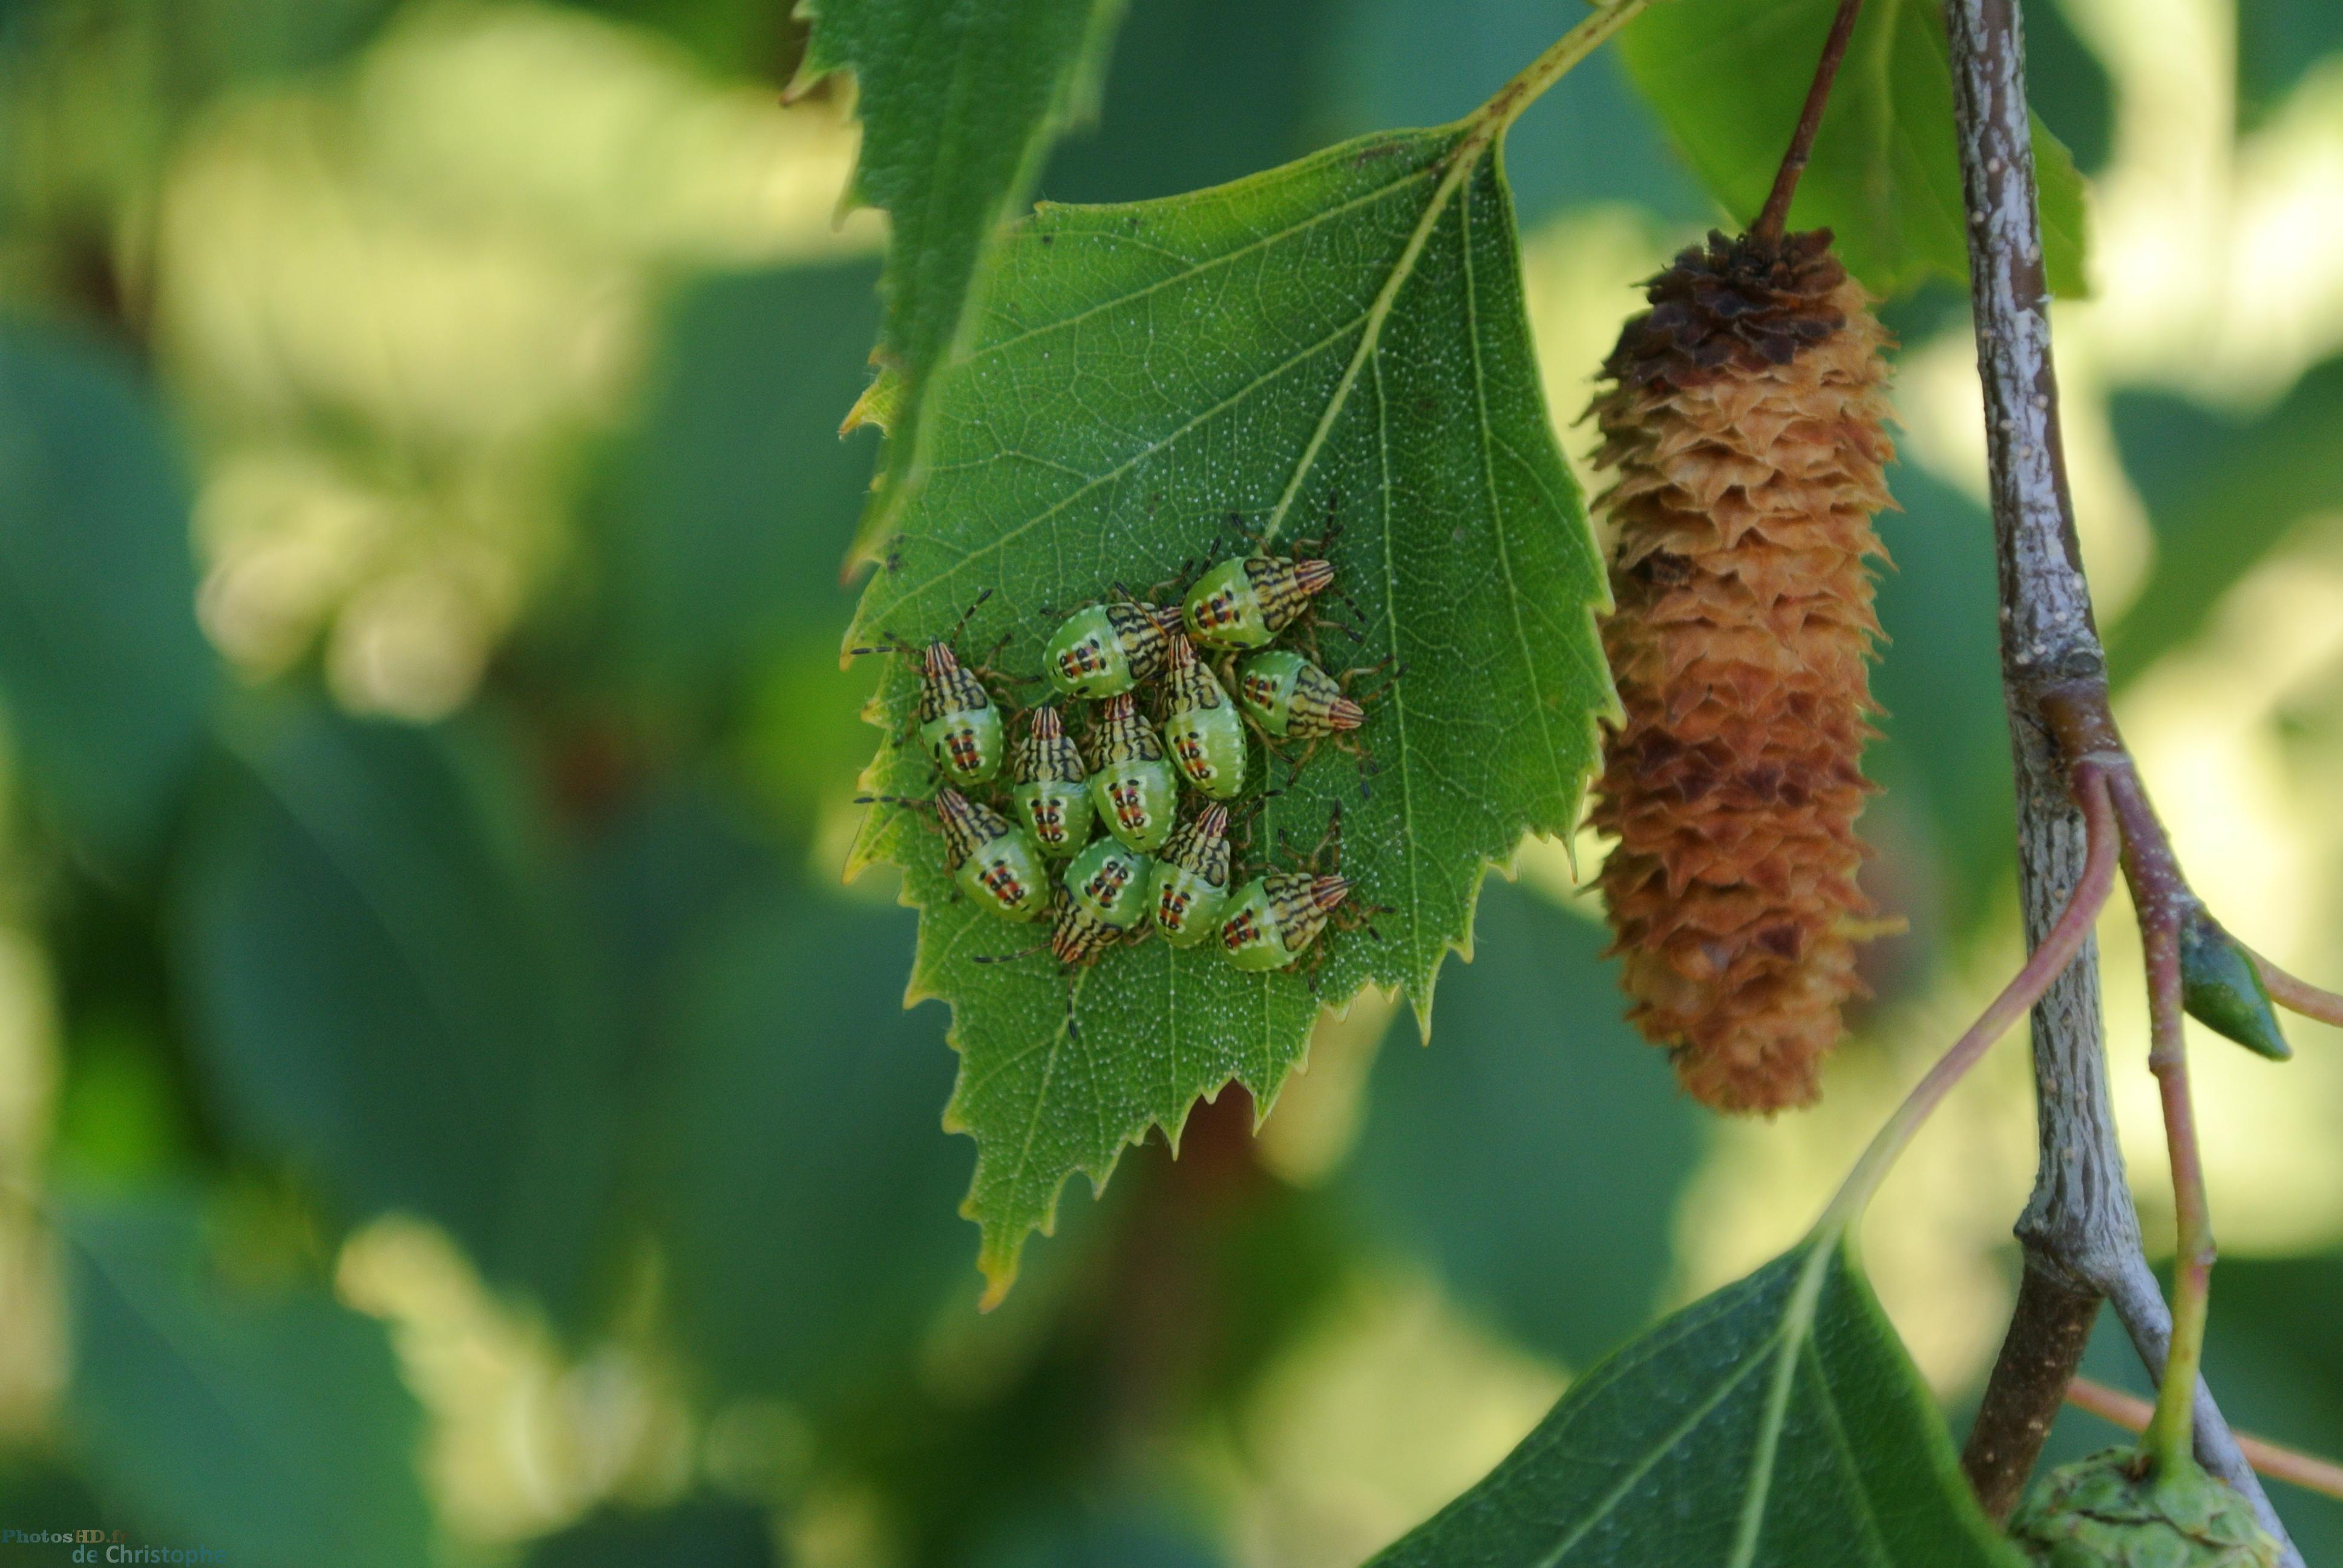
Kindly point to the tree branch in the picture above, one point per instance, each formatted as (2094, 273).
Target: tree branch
(2079, 1230)
(2047, 1332)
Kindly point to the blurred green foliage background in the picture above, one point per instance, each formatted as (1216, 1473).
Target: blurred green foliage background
(451, 1112)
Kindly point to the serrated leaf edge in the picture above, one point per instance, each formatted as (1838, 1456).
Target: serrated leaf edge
(1473, 136)
(1074, 101)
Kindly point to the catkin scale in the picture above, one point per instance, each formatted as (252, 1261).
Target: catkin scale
(1745, 425)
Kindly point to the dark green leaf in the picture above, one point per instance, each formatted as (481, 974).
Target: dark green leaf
(106, 679)
(728, 37)
(1728, 78)
(2067, 86)
(1539, 1153)
(1201, 91)
(41, 1496)
(960, 101)
(1942, 824)
(805, 1200)
(702, 1534)
(1342, 339)
(1124, 1539)
(264, 1422)
(1425, 62)
(2221, 493)
(2223, 990)
(243, 39)
(2277, 42)
(1776, 1423)
(727, 506)
(388, 985)
(2271, 1350)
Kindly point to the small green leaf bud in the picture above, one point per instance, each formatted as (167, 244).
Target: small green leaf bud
(2221, 989)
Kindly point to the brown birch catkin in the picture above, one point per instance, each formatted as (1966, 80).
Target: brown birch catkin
(1746, 424)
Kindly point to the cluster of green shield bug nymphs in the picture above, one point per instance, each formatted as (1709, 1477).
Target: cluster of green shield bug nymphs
(1163, 726)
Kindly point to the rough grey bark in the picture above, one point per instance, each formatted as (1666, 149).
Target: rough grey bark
(2079, 1228)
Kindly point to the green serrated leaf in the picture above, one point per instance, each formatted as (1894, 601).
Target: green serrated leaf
(960, 102)
(1728, 78)
(1777, 1424)
(1339, 339)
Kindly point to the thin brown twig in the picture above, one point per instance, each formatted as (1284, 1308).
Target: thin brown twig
(2048, 1330)
(2275, 1459)
(1775, 213)
(2298, 995)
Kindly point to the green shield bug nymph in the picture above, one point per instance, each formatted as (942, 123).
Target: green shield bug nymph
(1107, 649)
(993, 861)
(1110, 884)
(1101, 901)
(1292, 699)
(1274, 920)
(1050, 785)
(1203, 727)
(1245, 601)
(1192, 878)
(1133, 787)
(959, 724)
(1275, 917)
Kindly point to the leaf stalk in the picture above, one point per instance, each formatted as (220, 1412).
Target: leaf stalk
(1776, 214)
(2298, 995)
(2048, 960)
(1490, 120)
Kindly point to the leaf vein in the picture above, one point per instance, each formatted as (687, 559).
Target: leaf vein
(1489, 472)
(1194, 269)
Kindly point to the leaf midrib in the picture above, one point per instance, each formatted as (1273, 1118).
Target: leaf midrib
(1782, 1347)
(1874, 1538)
(1661, 1450)
(1473, 139)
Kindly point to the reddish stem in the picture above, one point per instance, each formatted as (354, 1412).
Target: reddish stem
(1776, 210)
(2163, 903)
(2305, 1470)
(2298, 995)
(2056, 950)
